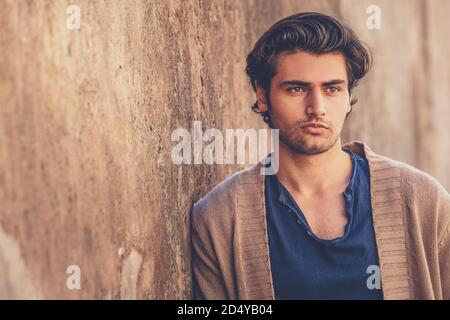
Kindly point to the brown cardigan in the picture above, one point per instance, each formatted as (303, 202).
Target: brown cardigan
(411, 216)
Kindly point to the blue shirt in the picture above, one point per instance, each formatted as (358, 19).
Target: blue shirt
(307, 267)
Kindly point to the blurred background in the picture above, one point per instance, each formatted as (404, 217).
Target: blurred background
(86, 117)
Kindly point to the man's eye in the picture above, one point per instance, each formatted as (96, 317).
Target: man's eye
(332, 89)
(296, 89)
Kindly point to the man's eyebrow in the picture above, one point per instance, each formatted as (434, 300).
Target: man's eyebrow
(332, 82)
(307, 84)
(295, 82)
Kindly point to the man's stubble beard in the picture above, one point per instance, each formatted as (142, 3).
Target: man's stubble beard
(300, 142)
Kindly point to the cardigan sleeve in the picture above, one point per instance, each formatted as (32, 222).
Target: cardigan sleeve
(432, 200)
(444, 261)
(208, 283)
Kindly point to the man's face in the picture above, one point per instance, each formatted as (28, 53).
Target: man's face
(308, 89)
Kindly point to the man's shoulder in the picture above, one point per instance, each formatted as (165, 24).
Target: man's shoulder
(414, 179)
(383, 167)
(421, 179)
(218, 203)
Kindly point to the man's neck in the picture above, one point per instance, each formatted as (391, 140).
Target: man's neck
(314, 175)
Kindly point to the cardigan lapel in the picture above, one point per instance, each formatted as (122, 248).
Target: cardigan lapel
(251, 224)
(389, 220)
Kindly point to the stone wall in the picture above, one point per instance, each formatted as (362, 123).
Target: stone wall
(86, 117)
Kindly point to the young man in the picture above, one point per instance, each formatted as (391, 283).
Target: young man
(335, 222)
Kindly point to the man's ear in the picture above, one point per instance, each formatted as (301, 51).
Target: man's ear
(261, 98)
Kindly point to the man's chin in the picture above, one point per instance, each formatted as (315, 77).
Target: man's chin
(310, 147)
(299, 142)
(312, 150)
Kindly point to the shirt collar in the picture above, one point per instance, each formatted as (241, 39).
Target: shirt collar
(281, 192)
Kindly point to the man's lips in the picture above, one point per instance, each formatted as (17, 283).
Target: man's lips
(314, 125)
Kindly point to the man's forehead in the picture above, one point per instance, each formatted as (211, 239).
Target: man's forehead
(305, 66)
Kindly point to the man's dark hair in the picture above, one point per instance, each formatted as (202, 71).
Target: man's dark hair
(310, 32)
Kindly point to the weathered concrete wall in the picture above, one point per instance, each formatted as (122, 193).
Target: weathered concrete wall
(86, 117)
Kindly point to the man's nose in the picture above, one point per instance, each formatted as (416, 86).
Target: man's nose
(315, 104)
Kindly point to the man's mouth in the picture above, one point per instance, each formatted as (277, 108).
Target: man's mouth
(314, 130)
(314, 127)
